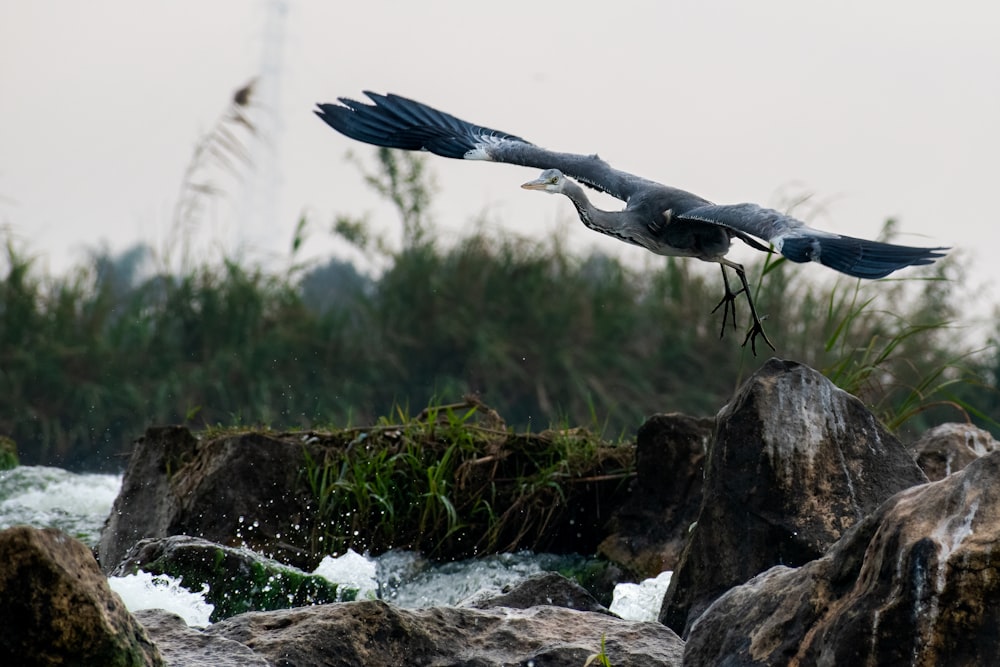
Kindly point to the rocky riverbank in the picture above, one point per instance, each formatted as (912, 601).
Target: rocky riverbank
(799, 530)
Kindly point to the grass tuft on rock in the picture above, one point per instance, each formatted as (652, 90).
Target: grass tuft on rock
(454, 481)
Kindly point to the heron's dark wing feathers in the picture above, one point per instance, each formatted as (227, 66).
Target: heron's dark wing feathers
(397, 122)
(856, 257)
(394, 121)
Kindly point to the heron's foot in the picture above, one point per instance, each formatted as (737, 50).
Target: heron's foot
(757, 329)
(728, 305)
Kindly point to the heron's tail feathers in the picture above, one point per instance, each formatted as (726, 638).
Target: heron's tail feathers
(397, 122)
(856, 257)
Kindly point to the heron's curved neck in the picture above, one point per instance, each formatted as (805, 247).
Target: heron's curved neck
(606, 222)
(623, 225)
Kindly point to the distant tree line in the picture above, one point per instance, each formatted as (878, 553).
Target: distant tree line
(89, 359)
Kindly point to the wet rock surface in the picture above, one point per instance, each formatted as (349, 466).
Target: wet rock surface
(183, 646)
(948, 448)
(648, 533)
(915, 583)
(795, 463)
(56, 607)
(237, 490)
(547, 588)
(375, 634)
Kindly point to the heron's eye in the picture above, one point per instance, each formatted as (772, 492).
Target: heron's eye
(553, 180)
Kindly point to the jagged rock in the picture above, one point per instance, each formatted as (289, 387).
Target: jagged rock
(183, 646)
(145, 506)
(238, 579)
(916, 583)
(238, 490)
(56, 606)
(795, 463)
(648, 533)
(948, 448)
(545, 588)
(375, 634)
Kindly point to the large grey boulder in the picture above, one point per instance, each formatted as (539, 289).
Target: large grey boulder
(56, 607)
(795, 463)
(183, 646)
(243, 489)
(915, 583)
(375, 634)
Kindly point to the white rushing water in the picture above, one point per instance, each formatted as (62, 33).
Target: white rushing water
(45, 497)
(78, 504)
(143, 590)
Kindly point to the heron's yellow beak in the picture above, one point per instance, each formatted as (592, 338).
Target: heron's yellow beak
(537, 184)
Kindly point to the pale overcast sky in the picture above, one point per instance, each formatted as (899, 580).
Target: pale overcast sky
(877, 109)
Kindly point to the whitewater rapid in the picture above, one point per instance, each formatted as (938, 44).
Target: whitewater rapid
(78, 504)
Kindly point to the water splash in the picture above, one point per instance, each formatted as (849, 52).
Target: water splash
(352, 570)
(78, 504)
(147, 591)
(642, 601)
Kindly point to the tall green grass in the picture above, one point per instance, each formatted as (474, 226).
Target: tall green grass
(454, 481)
(89, 359)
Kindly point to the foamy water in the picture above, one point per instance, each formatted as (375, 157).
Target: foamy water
(352, 570)
(46, 497)
(641, 602)
(408, 580)
(143, 590)
(78, 504)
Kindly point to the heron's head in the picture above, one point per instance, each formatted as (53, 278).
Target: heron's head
(550, 180)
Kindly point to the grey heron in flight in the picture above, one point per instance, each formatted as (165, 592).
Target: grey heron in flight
(662, 219)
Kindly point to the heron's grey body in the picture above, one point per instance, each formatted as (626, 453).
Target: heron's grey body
(662, 219)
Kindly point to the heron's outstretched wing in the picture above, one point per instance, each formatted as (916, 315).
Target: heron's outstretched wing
(796, 241)
(397, 122)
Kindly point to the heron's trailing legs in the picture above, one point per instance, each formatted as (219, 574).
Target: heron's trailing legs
(728, 305)
(729, 301)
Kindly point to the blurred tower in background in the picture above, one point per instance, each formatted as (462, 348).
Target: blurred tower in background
(258, 203)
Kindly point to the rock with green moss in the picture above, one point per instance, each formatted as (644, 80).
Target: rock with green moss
(238, 580)
(8, 453)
